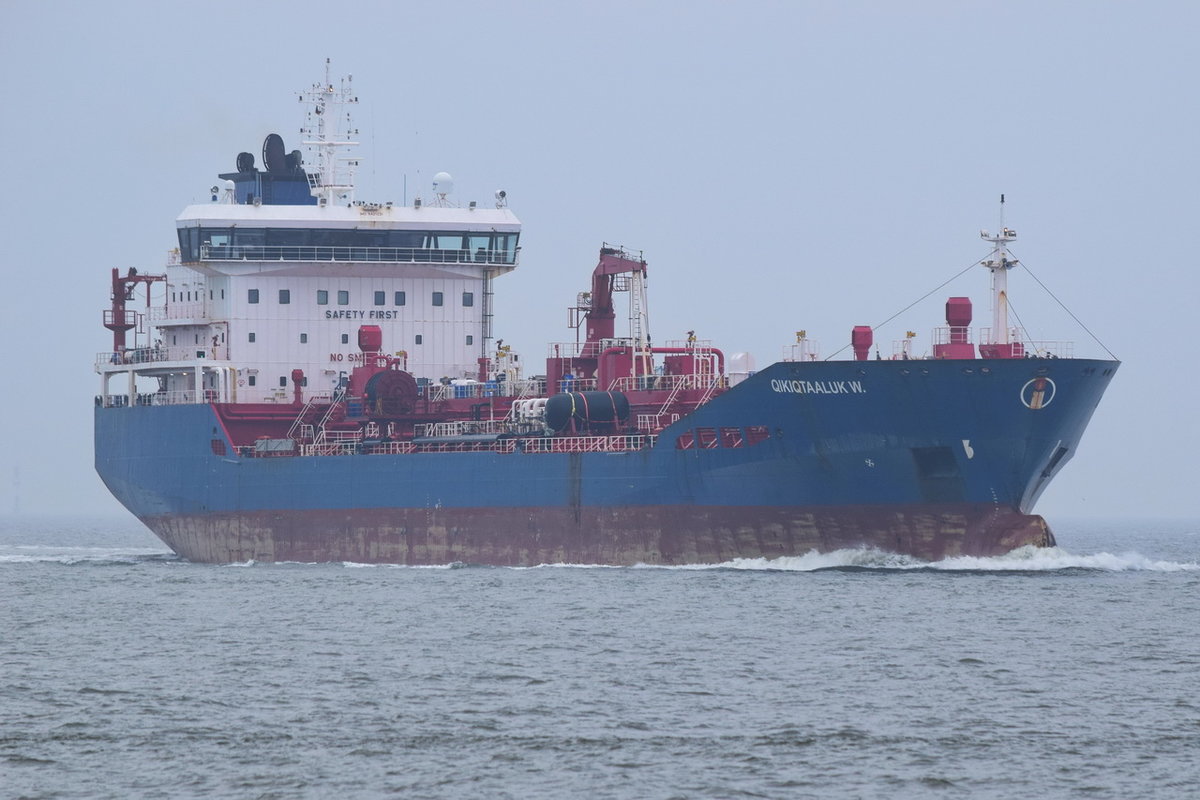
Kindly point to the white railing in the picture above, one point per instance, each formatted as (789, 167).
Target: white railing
(801, 351)
(952, 335)
(475, 390)
(180, 398)
(1050, 349)
(699, 345)
(422, 255)
(179, 311)
(461, 428)
(534, 445)
(649, 422)
(673, 383)
(151, 355)
(1039, 349)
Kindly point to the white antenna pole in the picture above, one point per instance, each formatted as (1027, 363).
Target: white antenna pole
(999, 263)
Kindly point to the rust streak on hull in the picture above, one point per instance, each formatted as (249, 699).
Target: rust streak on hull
(667, 535)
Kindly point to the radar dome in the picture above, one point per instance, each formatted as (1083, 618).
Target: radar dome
(443, 183)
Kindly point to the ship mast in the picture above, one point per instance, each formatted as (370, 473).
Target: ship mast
(327, 129)
(999, 263)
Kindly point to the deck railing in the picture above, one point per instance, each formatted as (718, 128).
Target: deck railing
(151, 355)
(187, 397)
(514, 446)
(418, 255)
(475, 390)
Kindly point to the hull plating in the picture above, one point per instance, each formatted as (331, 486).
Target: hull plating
(623, 536)
(929, 458)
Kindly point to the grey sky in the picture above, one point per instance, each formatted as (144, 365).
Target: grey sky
(811, 165)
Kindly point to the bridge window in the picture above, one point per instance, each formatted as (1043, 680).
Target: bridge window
(470, 339)
(418, 339)
(285, 296)
(399, 299)
(251, 339)
(468, 298)
(322, 297)
(252, 296)
(437, 298)
(324, 244)
(343, 297)
(380, 298)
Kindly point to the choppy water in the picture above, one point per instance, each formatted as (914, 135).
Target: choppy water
(1072, 672)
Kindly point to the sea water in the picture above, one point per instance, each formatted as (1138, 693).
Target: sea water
(1069, 672)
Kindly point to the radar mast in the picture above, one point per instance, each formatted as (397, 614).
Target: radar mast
(999, 263)
(328, 128)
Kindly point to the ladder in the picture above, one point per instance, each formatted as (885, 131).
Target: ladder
(291, 434)
(319, 438)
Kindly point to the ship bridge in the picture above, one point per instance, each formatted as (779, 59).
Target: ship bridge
(211, 236)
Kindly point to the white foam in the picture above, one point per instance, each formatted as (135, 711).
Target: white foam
(39, 554)
(1024, 559)
(362, 565)
(1054, 558)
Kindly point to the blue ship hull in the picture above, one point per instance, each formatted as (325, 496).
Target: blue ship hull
(928, 458)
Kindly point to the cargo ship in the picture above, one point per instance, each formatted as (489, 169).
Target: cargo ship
(315, 378)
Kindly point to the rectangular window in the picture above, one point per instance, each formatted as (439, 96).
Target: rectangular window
(282, 382)
(470, 339)
(304, 338)
(285, 296)
(418, 338)
(322, 297)
(468, 298)
(345, 338)
(399, 299)
(252, 295)
(251, 337)
(380, 298)
(252, 380)
(437, 298)
(343, 297)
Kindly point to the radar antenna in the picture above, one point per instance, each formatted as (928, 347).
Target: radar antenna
(328, 128)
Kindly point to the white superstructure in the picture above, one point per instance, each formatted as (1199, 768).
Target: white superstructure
(283, 267)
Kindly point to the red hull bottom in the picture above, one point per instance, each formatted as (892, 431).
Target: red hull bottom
(616, 536)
